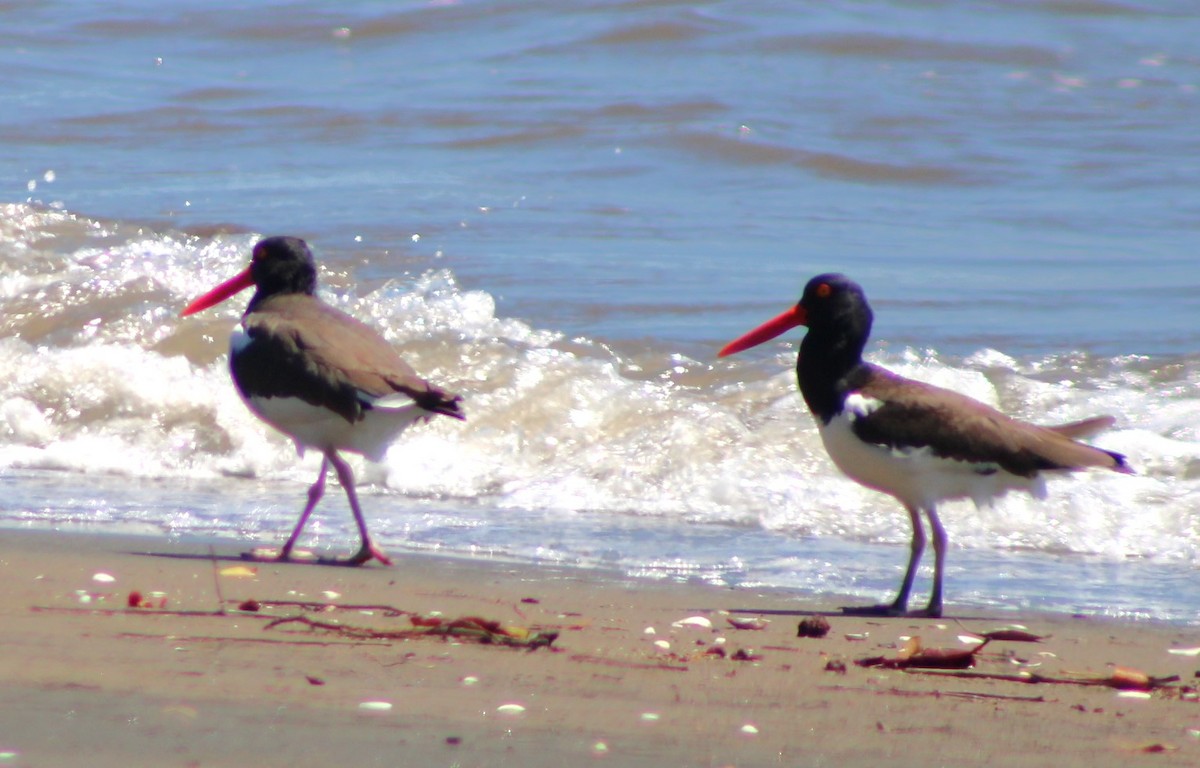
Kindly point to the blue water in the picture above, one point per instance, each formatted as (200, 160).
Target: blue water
(562, 211)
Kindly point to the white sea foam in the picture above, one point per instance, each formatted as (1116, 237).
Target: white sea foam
(556, 425)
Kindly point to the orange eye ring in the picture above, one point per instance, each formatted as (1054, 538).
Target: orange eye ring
(824, 290)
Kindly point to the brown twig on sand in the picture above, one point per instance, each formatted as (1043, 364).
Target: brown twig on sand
(1118, 681)
(938, 694)
(386, 611)
(913, 656)
(124, 611)
(607, 662)
(467, 628)
(253, 640)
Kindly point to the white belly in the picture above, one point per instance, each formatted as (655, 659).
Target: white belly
(315, 427)
(915, 476)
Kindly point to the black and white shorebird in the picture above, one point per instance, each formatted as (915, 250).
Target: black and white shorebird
(318, 375)
(916, 442)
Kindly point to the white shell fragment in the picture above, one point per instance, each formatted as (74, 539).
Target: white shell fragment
(375, 706)
(1184, 651)
(510, 709)
(747, 622)
(750, 728)
(104, 578)
(695, 622)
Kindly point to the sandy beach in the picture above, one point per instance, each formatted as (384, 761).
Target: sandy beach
(551, 667)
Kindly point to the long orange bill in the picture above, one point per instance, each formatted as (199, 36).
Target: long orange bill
(235, 284)
(767, 331)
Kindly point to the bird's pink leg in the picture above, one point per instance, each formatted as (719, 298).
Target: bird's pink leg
(315, 492)
(368, 549)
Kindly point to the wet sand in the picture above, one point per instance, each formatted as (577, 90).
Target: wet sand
(188, 679)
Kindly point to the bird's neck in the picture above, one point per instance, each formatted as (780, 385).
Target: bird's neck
(828, 367)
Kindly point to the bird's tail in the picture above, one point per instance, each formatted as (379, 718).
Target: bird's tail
(440, 401)
(1080, 430)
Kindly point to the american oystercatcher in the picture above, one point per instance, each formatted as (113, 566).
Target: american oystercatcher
(318, 375)
(916, 442)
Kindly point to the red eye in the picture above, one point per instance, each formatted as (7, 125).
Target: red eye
(824, 290)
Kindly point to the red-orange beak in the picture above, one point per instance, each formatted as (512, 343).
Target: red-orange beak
(767, 331)
(235, 284)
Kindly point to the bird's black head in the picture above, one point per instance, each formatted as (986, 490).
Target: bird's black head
(282, 265)
(839, 323)
(835, 306)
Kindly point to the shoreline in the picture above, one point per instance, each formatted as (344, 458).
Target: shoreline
(190, 680)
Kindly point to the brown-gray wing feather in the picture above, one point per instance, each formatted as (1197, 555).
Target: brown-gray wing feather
(301, 347)
(951, 425)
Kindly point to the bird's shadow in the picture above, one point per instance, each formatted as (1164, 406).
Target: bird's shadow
(246, 557)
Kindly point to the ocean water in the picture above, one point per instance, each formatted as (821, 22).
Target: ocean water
(562, 212)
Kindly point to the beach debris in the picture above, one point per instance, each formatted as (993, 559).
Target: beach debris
(600, 748)
(103, 578)
(136, 599)
(693, 622)
(748, 622)
(485, 631)
(469, 680)
(605, 661)
(239, 572)
(314, 680)
(250, 606)
(649, 631)
(530, 600)
(836, 665)
(375, 706)
(1014, 633)
(510, 709)
(1124, 680)
(1151, 747)
(650, 717)
(662, 645)
(741, 654)
(813, 626)
(913, 654)
(309, 605)
(1130, 679)
(750, 729)
(856, 637)
(1184, 651)
(329, 594)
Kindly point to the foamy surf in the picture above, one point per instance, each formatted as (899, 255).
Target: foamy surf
(625, 454)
